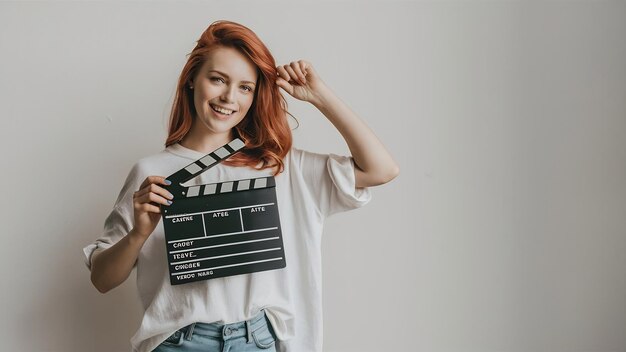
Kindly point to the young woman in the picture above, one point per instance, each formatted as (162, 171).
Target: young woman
(230, 88)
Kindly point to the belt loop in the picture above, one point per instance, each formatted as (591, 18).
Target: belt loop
(249, 331)
(189, 333)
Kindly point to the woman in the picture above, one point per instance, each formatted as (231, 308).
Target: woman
(229, 88)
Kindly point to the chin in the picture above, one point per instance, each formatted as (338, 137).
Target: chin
(220, 127)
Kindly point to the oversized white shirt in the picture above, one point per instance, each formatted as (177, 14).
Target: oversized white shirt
(312, 187)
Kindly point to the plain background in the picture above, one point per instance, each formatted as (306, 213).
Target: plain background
(504, 232)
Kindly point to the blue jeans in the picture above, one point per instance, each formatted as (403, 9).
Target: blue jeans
(251, 335)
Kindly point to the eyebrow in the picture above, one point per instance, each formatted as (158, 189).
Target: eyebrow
(225, 75)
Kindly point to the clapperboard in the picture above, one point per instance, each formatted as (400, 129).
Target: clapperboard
(221, 229)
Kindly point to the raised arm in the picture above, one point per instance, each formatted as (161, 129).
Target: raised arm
(374, 164)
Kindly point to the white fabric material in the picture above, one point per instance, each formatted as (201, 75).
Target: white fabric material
(312, 187)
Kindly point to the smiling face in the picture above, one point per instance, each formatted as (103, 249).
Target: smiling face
(223, 92)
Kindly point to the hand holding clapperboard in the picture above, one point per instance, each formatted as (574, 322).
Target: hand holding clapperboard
(221, 229)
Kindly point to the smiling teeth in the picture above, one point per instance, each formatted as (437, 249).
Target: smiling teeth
(223, 111)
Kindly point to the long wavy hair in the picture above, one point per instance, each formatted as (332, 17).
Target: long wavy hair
(265, 129)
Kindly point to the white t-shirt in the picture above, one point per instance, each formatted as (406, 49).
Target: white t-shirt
(312, 187)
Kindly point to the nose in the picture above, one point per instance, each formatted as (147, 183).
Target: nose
(228, 95)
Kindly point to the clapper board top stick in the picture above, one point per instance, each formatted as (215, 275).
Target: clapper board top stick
(221, 229)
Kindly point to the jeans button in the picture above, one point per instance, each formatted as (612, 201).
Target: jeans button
(227, 331)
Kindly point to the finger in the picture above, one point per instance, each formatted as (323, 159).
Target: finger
(308, 69)
(157, 199)
(293, 75)
(148, 208)
(296, 67)
(288, 74)
(282, 73)
(154, 179)
(152, 198)
(141, 192)
(284, 85)
(147, 181)
(155, 189)
(161, 191)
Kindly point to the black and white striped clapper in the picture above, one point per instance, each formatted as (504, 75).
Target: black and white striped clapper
(221, 229)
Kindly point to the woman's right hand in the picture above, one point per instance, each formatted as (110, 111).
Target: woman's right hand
(146, 204)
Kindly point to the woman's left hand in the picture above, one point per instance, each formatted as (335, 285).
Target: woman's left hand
(300, 80)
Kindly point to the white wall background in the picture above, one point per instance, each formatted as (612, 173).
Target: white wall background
(506, 230)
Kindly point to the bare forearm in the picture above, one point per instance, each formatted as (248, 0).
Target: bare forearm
(112, 266)
(375, 164)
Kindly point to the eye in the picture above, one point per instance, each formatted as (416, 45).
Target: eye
(216, 79)
(249, 88)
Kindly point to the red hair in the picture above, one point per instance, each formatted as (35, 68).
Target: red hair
(264, 129)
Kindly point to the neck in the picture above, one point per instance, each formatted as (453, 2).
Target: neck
(205, 142)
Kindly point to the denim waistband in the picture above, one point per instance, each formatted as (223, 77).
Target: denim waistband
(228, 331)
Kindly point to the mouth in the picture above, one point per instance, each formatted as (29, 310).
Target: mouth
(221, 112)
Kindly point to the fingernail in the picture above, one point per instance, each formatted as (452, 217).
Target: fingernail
(168, 182)
(171, 196)
(169, 202)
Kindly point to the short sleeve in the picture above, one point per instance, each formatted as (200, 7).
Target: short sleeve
(330, 179)
(119, 222)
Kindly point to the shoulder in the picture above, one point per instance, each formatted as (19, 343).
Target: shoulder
(145, 166)
(157, 162)
(301, 157)
(157, 158)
